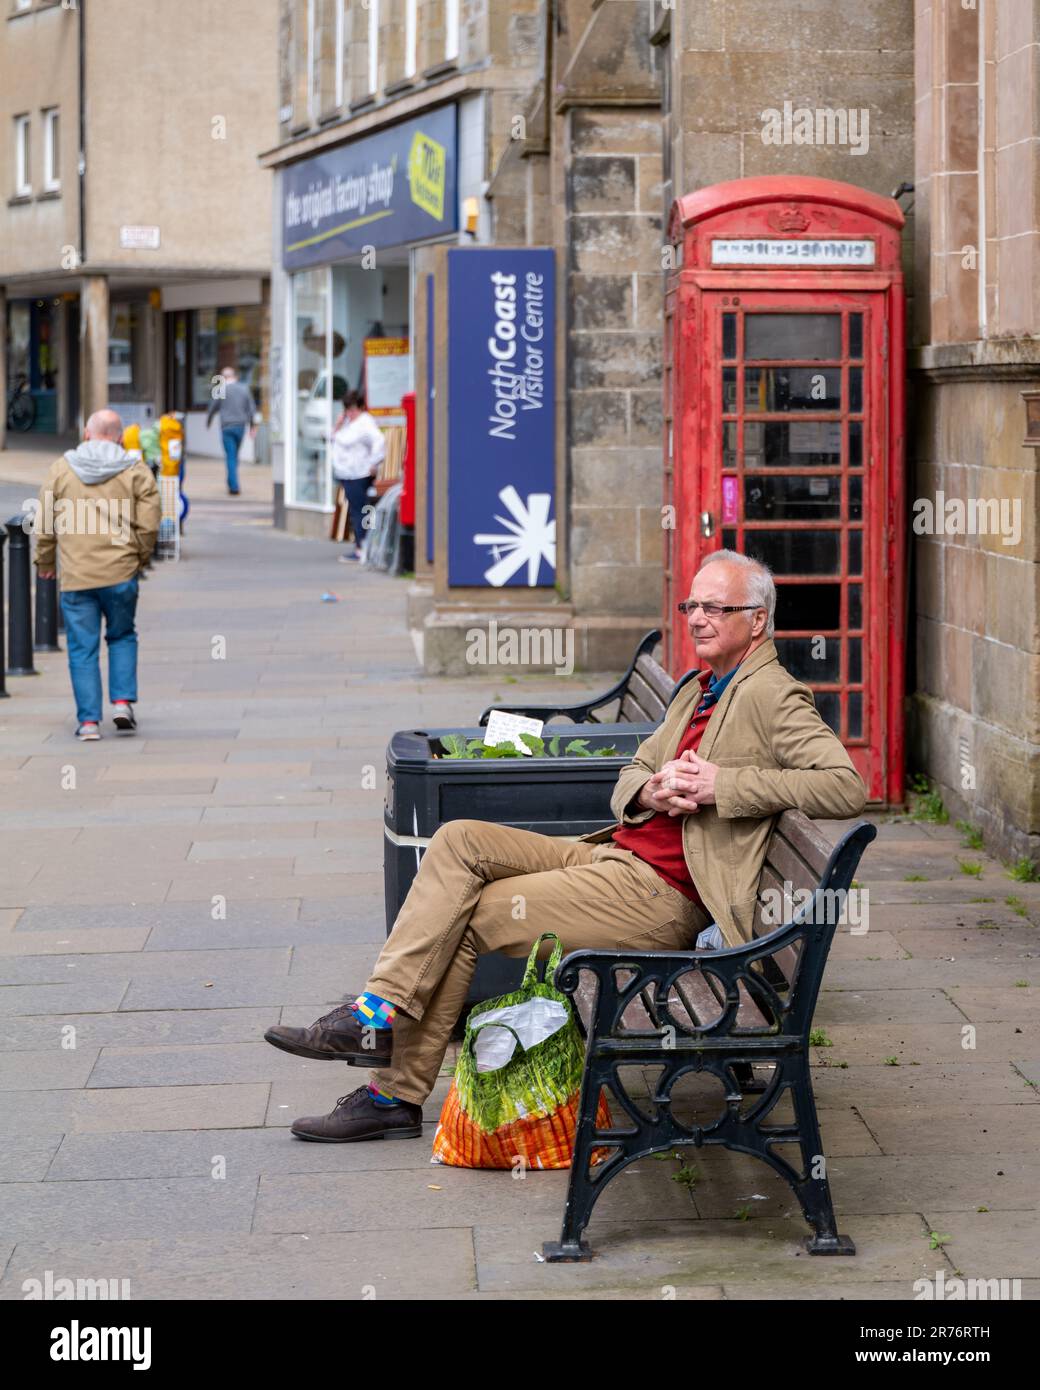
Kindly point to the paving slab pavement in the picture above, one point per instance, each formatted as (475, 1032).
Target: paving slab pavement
(221, 871)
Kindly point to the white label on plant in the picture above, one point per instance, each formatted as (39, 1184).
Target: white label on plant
(502, 727)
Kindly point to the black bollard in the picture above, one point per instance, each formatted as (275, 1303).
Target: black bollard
(46, 614)
(19, 610)
(3, 542)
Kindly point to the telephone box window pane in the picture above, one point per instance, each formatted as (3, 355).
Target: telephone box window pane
(855, 443)
(795, 552)
(729, 540)
(855, 605)
(856, 499)
(855, 660)
(729, 389)
(792, 388)
(856, 388)
(810, 658)
(855, 335)
(799, 444)
(791, 497)
(792, 337)
(808, 607)
(729, 445)
(855, 714)
(828, 702)
(855, 552)
(729, 335)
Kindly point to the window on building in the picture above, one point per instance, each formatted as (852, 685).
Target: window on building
(411, 36)
(313, 100)
(373, 45)
(341, 35)
(451, 29)
(126, 351)
(51, 150)
(219, 338)
(22, 170)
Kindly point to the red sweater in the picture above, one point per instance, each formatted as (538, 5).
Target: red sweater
(658, 841)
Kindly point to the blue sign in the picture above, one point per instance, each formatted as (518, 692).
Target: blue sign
(388, 189)
(501, 417)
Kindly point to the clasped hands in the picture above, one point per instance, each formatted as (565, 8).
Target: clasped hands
(682, 785)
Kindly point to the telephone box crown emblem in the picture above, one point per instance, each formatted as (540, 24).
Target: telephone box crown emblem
(790, 219)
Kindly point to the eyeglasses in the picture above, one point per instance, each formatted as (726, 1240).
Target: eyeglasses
(714, 610)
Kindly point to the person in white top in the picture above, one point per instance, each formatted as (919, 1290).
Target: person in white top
(358, 448)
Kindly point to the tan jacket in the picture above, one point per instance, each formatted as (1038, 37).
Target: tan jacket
(105, 531)
(774, 752)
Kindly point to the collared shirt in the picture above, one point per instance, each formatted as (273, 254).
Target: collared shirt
(659, 840)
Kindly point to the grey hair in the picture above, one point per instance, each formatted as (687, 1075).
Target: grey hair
(761, 591)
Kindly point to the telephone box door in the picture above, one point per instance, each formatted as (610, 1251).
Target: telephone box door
(794, 463)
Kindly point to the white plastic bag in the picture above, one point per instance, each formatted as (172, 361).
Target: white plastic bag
(533, 1021)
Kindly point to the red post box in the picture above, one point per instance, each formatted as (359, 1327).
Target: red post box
(783, 400)
(407, 500)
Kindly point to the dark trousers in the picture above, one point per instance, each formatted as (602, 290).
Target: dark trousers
(356, 492)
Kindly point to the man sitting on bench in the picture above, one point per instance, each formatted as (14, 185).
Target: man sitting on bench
(694, 821)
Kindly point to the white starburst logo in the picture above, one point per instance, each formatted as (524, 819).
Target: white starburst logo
(532, 537)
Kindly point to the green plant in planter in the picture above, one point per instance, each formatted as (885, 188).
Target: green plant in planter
(455, 746)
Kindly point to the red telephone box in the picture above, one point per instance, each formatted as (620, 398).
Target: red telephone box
(783, 399)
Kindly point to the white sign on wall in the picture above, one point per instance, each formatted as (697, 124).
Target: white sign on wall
(139, 238)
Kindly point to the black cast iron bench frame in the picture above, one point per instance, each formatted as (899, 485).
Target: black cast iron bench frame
(775, 1003)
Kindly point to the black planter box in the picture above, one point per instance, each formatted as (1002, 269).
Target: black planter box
(553, 796)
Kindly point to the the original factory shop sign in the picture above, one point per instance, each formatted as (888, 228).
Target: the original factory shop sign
(389, 189)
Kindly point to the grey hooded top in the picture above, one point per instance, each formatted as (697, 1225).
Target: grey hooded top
(97, 460)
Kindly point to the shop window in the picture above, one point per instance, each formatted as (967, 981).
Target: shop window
(227, 337)
(310, 479)
(126, 352)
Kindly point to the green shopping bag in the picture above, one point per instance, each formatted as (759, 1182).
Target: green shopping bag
(518, 1079)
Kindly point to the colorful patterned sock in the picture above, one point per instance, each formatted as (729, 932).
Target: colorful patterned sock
(381, 1097)
(373, 1011)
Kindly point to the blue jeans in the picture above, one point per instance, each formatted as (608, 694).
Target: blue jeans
(83, 609)
(356, 492)
(232, 435)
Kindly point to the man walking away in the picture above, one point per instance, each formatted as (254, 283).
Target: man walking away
(99, 506)
(236, 408)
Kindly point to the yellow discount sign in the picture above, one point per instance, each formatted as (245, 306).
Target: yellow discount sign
(427, 166)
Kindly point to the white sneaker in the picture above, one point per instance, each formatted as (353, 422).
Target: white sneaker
(88, 732)
(123, 715)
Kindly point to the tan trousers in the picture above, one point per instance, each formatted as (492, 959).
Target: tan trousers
(485, 887)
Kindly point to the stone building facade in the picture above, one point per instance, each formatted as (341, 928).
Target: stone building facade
(134, 223)
(975, 707)
(598, 114)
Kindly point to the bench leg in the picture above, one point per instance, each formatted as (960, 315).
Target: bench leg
(814, 1191)
(582, 1190)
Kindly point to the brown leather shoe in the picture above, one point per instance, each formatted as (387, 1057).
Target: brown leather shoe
(336, 1036)
(358, 1117)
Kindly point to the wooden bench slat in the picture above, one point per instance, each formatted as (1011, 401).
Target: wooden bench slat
(646, 689)
(804, 838)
